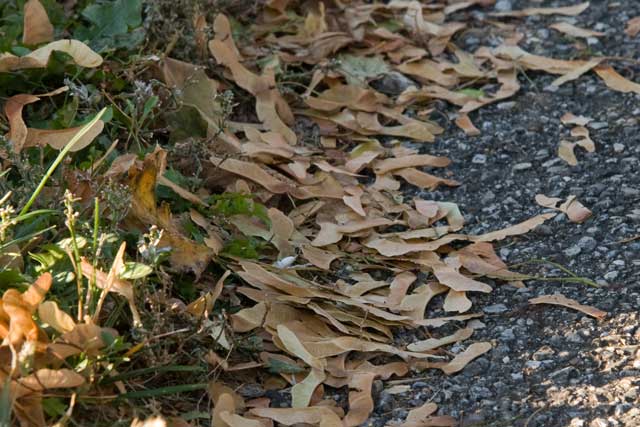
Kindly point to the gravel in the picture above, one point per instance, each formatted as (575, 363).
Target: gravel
(549, 366)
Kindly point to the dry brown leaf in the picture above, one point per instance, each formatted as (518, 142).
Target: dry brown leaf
(572, 119)
(50, 313)
(203, 305)
(428, 71)
(235, 420)
(415, 304)
(424, 180)
(559, 299)
(566, 11)
(248, 319)
(332, 233)
(322, 416)
(271, 108)
(536, 62)
(353, 97)
(514, 230)
(360, 400)
(575, 211)
(224, 403)
(633, 27)
(573, 31)
(84, 338)
(399, 287)
(59, 138)
(566, 152)
(36, 26)
(295, 347)
(46, 379)
(415, 160)
(36, 292)
(81, 53)
(456, 301)
(576, 72)
(119, 286)
(464, 122)
(449, 276)
(433, 343)
(13, 110)
(186, 255)
(615, 81)
(319, 257)
(461, 360)
(301, 392)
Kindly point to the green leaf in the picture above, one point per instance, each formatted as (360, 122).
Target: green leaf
(185, 123)
(243, 248)
(359, 70)
(114, 24)
(54, 406)
(473, 93)
(278, 367)
(135, 270)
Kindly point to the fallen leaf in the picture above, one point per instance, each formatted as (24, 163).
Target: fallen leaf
(332, 233)
(449, 276)
(423, 180)
(566, 153)
(117, 285)
(360, 400)
(572, 119)
(295, 347)
(537, 62)
(399, 287)
(186, 255)
(433, 343)
(575, 211)
(573, 31)
(248, 319)
(464, 122)
(633, 27)
(456, 301)
(388, 165)
(615, 81)
(36, 26)
(576, 72)
(566, 11)
(319, 257)
(316, 415)
(301, 392)
(559, 299)
(514, 230)
(50, 313)
(59, 138)
(81, 54)
(462, 359)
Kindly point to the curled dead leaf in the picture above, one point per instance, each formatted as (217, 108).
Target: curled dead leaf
(559, 299)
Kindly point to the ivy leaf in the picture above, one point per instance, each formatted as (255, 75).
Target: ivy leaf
(115, 25)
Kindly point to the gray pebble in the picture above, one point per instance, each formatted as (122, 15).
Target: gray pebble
(495, 308)
(503, 5)
(479, 159)
(572, 251)
(522, 166)
(587, 243)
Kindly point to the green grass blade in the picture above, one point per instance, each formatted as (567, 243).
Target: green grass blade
(163, 391)
(59, 160)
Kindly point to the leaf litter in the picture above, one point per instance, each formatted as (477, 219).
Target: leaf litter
(314, 208)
